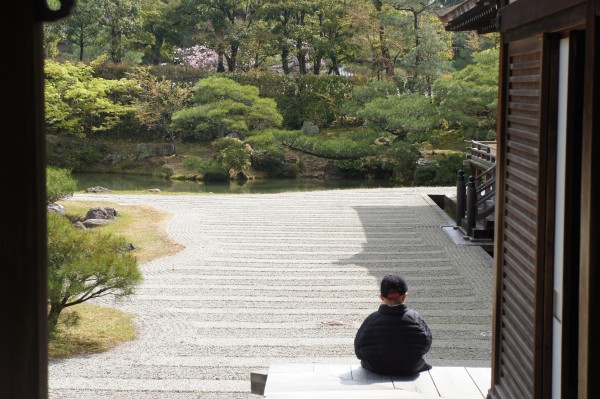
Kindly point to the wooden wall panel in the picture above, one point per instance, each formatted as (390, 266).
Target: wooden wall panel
(519, 259)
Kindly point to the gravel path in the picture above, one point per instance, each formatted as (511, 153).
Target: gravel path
(282, 278)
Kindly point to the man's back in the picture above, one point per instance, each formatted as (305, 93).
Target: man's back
(393, 341)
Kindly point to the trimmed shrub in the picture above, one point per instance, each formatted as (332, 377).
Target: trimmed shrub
(59, 184)
(221, 107)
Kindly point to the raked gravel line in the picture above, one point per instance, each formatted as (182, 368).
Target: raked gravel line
(282, 278)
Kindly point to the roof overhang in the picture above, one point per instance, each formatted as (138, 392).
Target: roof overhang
(478, 15)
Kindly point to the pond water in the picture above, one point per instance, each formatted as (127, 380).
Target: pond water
(124, 182)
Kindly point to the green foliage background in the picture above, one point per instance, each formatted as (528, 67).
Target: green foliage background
(385, 73)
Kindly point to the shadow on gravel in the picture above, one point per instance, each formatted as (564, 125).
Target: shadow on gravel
(410, 241)
(404, 240)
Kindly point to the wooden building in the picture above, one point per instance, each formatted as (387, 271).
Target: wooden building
(546, 255)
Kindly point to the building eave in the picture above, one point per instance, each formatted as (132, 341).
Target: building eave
(477, 15)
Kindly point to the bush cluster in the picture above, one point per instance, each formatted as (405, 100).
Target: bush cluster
(442, 172)
(74, 152)
(396, 125)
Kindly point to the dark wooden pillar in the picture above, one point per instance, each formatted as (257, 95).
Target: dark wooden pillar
(590, 200)
(23, 357)
(461, 198)
(471, 205)
(23, 247)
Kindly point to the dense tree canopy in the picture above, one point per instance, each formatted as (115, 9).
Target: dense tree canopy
(203, 70)
(467, 99)
(79, 104)
(400, 38)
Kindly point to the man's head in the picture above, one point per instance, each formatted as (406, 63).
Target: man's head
(393, 288)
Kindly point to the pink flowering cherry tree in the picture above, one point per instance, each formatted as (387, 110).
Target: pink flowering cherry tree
(198, 56)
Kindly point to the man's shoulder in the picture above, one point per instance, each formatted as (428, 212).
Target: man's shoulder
(413, 314)
(373, 315)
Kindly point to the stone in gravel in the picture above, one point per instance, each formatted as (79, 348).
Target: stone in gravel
(97, 189)
(333, 322)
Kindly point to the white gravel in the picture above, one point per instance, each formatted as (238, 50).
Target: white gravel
(283, 277)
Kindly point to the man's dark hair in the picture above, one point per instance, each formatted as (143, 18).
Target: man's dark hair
(393, 286)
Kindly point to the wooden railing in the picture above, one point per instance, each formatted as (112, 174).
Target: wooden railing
(475, 196)
(481, 155)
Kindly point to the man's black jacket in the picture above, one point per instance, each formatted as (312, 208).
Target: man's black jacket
(393, 341)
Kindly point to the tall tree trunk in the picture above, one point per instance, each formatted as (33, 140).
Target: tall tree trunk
(417, 43)
(383, 47)
(335, 68)
(232, 59)
(317, 64)
(301, 57)
(299, 43)
(385, 53)
(220, 65)
(115, 47)
(318, 53)
(156, 48)
(256, 58)
(81, 43)
(429, 87)
(285, 53)
(375, 62)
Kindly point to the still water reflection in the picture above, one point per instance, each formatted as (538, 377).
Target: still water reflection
(117, 182)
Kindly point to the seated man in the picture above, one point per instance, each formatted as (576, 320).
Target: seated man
(394, 339)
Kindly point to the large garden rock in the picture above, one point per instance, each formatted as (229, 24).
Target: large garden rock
(309, 128)
(101, 213)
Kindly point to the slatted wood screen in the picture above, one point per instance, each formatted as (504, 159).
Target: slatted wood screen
(521, 217)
